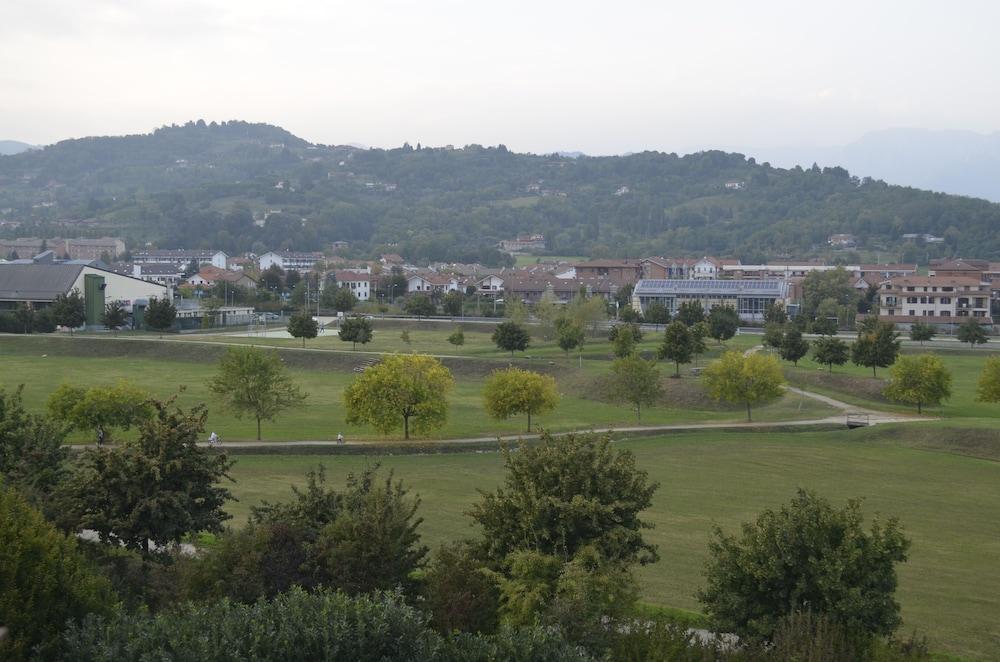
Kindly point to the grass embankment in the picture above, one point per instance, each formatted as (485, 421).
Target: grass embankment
(949, 505)
(42, 363)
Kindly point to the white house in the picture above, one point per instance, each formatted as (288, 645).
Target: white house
(706, 267)
(181, 257)
(358, 282)
(491, 285)
(431, 283)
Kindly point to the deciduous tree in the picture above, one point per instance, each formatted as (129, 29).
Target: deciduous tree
(806, 556)
(401, 391)
(794, 346)
(567, 493)
(344, 300)
(452, 303)
(419, 305)
(750, 379)
(356, 330)
(636, 381)
(45, 579)
(68, 310)
(253, 382)
(511, 337)
(919, 380)
(972, 332)
(657, 313)
(677, 345)
(877, 345)
(302, 325)
(690, 313)
(514, 391)
(457, 337)
(921, 332)
(988, 389)
(723, 323)
(160, 314)
(151, 492)
(622, 340)
(114, 316)
(830, 351)
(569, 334)
(100, 407)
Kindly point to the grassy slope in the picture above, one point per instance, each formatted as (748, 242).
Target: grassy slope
(950, 507)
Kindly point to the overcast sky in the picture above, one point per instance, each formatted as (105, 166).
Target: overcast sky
(601, 77)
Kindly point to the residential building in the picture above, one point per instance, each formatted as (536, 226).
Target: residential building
(771, 271)
(286, 260)
(210, 275)
(391, 259)
(431, 283)
(876, 273)
(934, 299)
(181, 257)
(959, 268)
(750, 298)
(358, 282)
(491, 285)
(94, 249)
(620, 271)
(531, 288)
(170, 275)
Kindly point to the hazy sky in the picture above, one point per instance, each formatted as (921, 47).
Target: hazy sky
(602, 77)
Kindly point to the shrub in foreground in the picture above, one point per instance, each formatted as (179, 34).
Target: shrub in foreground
(300, 625)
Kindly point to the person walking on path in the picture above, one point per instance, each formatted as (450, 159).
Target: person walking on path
(340, 437)
(213, 439)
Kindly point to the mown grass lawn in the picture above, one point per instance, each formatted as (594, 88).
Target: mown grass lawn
(856, 384)
(28, 361)
(949, 505)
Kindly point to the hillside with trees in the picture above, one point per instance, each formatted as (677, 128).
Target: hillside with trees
(241, 187)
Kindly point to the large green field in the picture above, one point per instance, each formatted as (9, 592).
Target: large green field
(942, 478)
(42, 363)
(949, 505)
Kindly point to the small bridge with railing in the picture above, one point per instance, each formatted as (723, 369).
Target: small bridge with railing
(856, 419)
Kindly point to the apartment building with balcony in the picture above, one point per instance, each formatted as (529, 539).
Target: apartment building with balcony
(934, 300)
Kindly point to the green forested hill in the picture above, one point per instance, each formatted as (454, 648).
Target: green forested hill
(203, 185)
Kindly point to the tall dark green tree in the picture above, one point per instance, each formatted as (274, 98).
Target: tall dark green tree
(830, 351)
(511, 337)
(356, 330)
(114, 316)
(921, 332)
(68, 310)
(302, 325)
(806, 556)
(160, 314)
(877, 345)
(690, 313)
(677, 345)
(565, 494)
(151, 492)
(794, 346)
(419, 305)
(722, 323)
(972, 332)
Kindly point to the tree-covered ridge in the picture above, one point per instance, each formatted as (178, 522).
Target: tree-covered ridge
(204, 185)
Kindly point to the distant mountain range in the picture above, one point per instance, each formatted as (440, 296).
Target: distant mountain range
(8, 147)
(958, 162)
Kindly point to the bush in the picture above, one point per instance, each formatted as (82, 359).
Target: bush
(299, 625)
(44, 581)
(458, 592)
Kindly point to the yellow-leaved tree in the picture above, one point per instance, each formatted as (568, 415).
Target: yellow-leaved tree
(401, 391)
(750, 379)
(514, 391)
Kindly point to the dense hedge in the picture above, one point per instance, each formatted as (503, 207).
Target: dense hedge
(299, 625)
